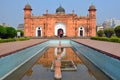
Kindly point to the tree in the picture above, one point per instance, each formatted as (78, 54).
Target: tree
(100, 33)
(22, 33)
(108, 32)
(117, 31)
(2, 32)
(11, 32)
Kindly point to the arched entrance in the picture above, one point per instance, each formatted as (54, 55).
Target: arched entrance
(81, 32)
(60, 29)
(60, 32)
(38, 32)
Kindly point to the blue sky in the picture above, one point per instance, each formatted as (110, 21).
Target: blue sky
(11, 11)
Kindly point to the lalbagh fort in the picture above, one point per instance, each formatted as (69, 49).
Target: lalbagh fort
(60, 23)
(59, 45)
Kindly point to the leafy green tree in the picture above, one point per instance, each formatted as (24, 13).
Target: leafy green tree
(100, 33)
(22, 33)
(117, 31)
(11, 32)
(109, 32)
(2, 32)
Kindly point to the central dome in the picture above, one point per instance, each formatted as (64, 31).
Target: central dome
(60, 10)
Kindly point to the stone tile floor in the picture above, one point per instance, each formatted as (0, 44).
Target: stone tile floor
(10, 47)
(111, 48)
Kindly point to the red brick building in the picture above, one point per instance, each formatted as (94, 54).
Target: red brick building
(59, 23)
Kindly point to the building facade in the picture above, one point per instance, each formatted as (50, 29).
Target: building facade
(20, 27)
(59, 24)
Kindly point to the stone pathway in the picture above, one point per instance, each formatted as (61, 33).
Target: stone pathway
(112, 49)
(10, 47)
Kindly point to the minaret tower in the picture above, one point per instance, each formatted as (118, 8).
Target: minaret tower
(27, 16)
(92, 22)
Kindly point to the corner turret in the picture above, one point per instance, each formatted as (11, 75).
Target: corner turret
(27, 11)
(92, 11)
(92, 18)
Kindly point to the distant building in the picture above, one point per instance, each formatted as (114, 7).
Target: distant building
(99, 27)
(111, 23)
(4, 24)
(117, 22)
(106, 24)
(20, 27)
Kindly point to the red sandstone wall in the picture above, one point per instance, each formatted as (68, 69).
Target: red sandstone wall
(47, 23)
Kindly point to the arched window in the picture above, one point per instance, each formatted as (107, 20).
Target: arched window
(81, 32)
(38, 32)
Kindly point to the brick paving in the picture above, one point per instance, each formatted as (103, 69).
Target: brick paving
(10, 47)
(110, 48)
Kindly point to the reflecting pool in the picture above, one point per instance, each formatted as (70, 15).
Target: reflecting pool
(41, 70)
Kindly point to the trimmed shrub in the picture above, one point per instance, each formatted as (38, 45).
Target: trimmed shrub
(11, 32)
(113, 39)
(14, 39)
(100, 38)
(109, 32)
(6, 40)
(22, 39)
(2, 32)
(100, 33)
(117, 31)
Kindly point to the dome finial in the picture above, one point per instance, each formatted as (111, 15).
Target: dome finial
(28, 2)
(60, 4)
(91, 3)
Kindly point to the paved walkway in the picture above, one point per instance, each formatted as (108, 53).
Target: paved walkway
(112, 49)
(10, 47)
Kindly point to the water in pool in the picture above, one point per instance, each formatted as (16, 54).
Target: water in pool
(41, 70)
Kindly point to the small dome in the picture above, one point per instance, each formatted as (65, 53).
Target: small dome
(92, 7)
(27, 6)
(60, 10)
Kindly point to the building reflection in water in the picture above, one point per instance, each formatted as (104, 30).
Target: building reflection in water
(41, 69)
(50, 55)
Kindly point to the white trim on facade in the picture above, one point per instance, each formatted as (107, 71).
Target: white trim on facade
(83, 30)
(62, 26)
(38, 28)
